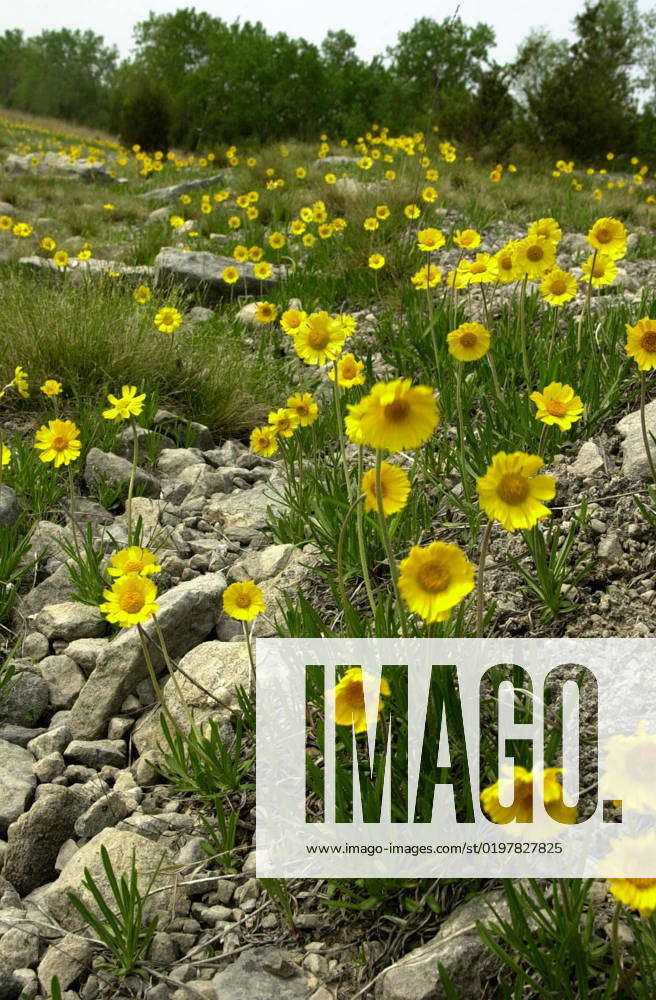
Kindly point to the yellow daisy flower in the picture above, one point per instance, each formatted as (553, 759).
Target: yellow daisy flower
(511, 493)
(284, 421)
(469, 342)
(266, 312)
(51, 387)
(604, 271)
(243, 601)
(142, 294)
(534, 256)
(349, 700)
(58, 442)
(133, 560)
(430, 239)
(558, 404)
(467, 239)
(434, 579)
(609, 236)
(349, 372)
(397, 415)
(130, 601)
(394, 488)
(521, 810)
(127, 405)
(558, 287)
(319, 339)
(167, 320)
(305, 408)
(292, 320)
(263, 441)
(641, 343)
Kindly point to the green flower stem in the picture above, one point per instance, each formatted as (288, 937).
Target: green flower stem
(388, 544)
(359, 523)
(153, 680)
(486, 311)
(340, 431)
(71, 495)
(461, 431)
(251, 659)
(643, 425)
(495, 376)
(340, 556)
(133, 473)
(522, 331)
(543, 439)
(170, 666)
(586, 308)
(485, 544)
(615, 938)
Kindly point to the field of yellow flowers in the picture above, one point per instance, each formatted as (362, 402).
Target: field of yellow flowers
(422, 381)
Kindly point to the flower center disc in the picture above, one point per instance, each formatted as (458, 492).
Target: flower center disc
(558, 287)
(513, 488)
(556, 408)
(468, 340)
(132, 602)
(397, 410)
(434, 577)
(648, 342)
(535, 253)
(318, 339)
(59, 443)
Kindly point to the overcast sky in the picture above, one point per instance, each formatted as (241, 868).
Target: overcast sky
(374, 24)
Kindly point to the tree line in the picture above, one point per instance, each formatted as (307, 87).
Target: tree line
(194, 80)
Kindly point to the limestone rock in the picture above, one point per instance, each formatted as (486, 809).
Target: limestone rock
(17, 782)
(102, 466)
(635, 464)
(187, 613)
(121, 846)
(200, 271)
(219, 667)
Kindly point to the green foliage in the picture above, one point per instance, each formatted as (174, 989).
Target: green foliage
(549, 944)
(195, 80)
(63, 73)
(221, 834)
(144, 116)
(202, 763)
(120, 927)
(14, 565)
(84, 561)
(38, 487)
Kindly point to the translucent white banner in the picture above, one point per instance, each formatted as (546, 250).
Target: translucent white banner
(494, 757)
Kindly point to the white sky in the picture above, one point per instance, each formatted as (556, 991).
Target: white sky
(374, 23)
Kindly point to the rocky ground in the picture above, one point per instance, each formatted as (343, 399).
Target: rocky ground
(79, 730)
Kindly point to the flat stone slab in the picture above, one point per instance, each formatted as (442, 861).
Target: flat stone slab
(199, 270)
(175, 190)
(78, 271)
(634, 461)
(51, 161)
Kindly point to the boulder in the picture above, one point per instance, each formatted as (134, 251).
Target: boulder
(200, 271)
(218, 667)
(121, 846)
(457, 947)
(9, 508)
(35, 839)
(265, 973)
(634, 462)
(104, 467)
(68, 621)
(17, 782)
(64, 678)
(173, 192)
